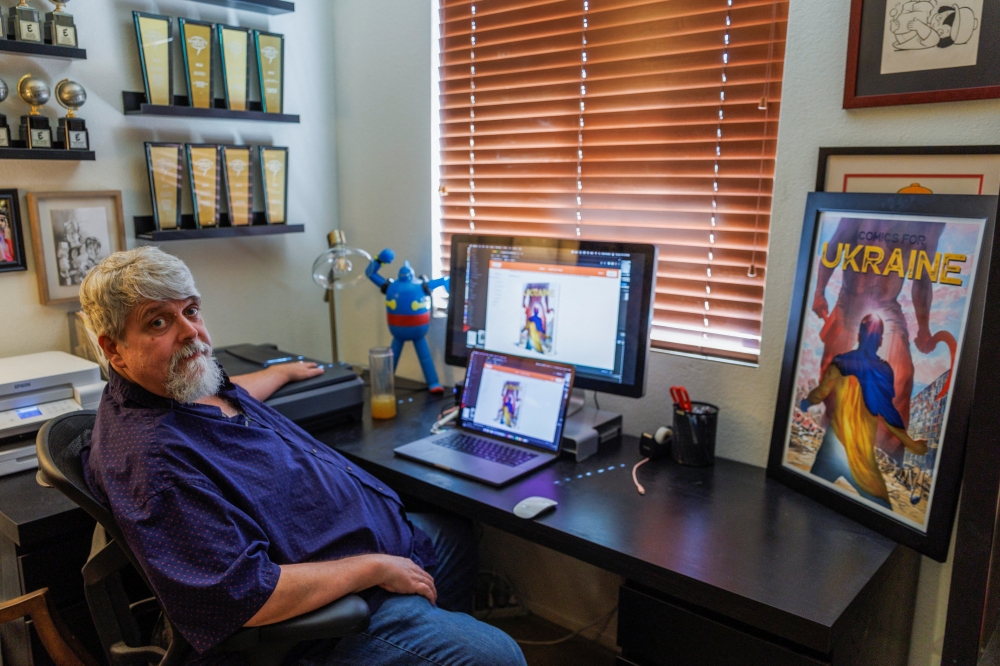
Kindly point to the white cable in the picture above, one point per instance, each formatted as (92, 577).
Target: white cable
(638, 486)
(606, 618)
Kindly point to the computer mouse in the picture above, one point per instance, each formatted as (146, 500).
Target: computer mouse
(532, 507)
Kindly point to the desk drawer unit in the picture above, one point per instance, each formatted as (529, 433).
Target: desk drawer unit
(656, 632)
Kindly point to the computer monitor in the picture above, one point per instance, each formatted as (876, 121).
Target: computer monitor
(585, 303)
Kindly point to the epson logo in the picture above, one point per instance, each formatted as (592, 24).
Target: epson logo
(22, 385)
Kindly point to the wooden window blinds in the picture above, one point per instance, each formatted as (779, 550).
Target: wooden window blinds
(634, 120)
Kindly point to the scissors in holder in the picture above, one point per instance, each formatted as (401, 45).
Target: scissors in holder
(680, 396)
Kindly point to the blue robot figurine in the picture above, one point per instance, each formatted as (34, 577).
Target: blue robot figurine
(408, 311)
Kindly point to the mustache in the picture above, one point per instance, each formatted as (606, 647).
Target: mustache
(187, 351)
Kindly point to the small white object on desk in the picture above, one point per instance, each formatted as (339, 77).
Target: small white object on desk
(532, 507)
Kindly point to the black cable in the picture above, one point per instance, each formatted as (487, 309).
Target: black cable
(596, 404)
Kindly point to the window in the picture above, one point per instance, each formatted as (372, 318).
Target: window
(622, 119)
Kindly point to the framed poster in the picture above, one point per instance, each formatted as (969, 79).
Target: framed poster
(906, 52)
(154, 34)
(72, 232)
(880, 358)
(12, 257)
(910, 169)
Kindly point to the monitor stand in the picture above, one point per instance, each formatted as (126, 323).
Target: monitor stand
(587, 427)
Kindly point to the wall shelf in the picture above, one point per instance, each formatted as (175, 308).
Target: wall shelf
(145, 229)
(19, 151)
(43, 50)
(135, 104)
(259, 6)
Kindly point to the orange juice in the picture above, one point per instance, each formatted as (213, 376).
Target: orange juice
(383, 406)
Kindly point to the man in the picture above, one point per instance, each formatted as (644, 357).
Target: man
(240, 518)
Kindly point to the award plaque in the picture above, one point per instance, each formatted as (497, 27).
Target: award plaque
(164, 161)
(23, 23)
(154, 34)
(271, 67)
(274, 175)
(234, 45)
(205, 170)
(239, 184)
(60, 30)
(198, 46)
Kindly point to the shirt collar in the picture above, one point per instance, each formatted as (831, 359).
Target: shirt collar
(123, 390)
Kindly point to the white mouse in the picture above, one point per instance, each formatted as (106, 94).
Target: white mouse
(531, 507)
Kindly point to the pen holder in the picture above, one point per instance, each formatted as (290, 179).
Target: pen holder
(694, 434)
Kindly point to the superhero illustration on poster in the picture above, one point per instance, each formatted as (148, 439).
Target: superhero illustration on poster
(888, 300)
(538, 329)
(510, 405)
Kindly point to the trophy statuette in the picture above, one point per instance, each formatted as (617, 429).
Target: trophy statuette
(4, 129)
(35, 127)
(60, 30)
(72, 131)
(23, 23)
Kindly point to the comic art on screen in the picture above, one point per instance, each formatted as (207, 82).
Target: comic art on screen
(539, 301)
(510, 405)
(887, 304)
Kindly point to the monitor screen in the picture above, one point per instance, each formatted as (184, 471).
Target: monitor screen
(586, 303)
(519, 399)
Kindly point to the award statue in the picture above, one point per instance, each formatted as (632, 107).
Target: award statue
(274, 174)
(239, 185)
(154, 34)
(198, 47)
(163, 162)
(204, 162)
(59, 27)
(34, 127)
(271, 68)
(4, 129)
(24, 24)
(72, 131)
(234, 44)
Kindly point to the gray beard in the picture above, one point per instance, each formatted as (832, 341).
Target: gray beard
(188, 381)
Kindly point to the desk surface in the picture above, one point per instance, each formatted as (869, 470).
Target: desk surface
(725, 538)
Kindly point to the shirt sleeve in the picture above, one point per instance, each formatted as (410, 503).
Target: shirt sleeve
(206, 559)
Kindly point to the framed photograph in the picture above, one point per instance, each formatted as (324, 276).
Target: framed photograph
(910, 170)
(914, 52)
(165, 165)
(198, 47)
(270, 50)
(72, 232)
(12, 257)
(274, 174)
(205, 171)
(234, 45)
(879, 369)
(239, 184)
(154, 34)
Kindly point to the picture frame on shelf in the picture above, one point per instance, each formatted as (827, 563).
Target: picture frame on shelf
(238, 170)
(872, 417)
(270, 51)
(154, 36)
(909, 53)
(205, 173)
(12, 257)
(71, 233)
(198, 48)
(273, 163)
(165, 166)
(234, 49)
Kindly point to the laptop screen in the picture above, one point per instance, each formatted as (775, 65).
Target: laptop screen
(519, 399)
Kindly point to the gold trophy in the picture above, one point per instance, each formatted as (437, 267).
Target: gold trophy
(60, 30)
(34, 127)
(23, 23)
(72, 131)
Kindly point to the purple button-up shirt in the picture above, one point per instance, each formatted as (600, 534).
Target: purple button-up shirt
(211, 505)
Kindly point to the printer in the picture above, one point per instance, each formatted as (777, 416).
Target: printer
(35, 388)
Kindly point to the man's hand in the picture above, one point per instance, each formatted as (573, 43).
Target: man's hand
(295, 372)
(263, 383)
(402, 576)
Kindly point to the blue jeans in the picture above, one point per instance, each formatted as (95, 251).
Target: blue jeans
(409, 630)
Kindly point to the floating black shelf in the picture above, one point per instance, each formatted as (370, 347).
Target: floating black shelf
(259, 6)
(18, 150)
(135, 105)
(43, 50)
(145, 228)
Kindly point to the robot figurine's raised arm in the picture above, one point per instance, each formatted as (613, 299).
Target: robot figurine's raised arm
(408, 311)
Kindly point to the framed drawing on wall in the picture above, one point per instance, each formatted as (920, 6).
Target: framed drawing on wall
(880, 361)
(906, 52)
(72, 232)
(12, 257)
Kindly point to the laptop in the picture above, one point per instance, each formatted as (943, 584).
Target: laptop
(511, 420)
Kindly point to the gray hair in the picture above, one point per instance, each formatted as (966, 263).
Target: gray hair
(114, 287)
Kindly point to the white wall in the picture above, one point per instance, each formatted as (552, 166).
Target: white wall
(255, 289)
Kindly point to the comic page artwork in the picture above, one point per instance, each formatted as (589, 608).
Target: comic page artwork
(930, 34)
(888, 300)
(510, 405)
(540, 302)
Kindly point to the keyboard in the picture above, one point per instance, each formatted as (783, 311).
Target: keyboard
(486, 449)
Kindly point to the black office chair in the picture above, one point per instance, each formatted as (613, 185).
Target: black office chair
(59, 444)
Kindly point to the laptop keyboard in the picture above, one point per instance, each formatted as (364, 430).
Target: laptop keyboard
(486, 449)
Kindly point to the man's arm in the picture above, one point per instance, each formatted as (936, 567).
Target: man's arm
(305, 587)
(265, 382)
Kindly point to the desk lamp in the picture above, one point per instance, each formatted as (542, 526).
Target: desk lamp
(338, 268)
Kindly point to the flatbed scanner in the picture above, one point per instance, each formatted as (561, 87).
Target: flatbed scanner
(35, 388)
(335, 396)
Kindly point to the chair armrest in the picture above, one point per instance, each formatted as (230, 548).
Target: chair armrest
(345, 616)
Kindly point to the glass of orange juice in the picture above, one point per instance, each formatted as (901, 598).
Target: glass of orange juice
(381, 370)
